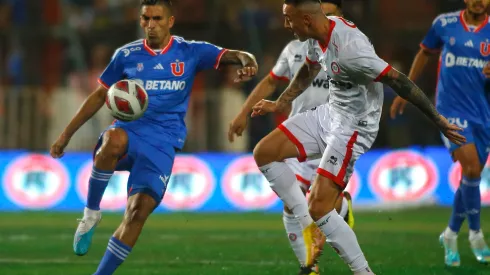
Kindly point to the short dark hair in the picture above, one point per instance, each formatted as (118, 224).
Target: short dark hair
(338, 3)
(300, 2)
(166, 3)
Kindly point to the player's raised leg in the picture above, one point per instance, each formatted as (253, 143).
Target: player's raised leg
(269, 155)
(113, 147)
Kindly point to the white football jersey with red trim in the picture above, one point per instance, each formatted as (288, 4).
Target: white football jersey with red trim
(354, 68)
(290, 61)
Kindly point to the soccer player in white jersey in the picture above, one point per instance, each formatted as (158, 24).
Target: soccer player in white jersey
(341, 130)
(289, 62)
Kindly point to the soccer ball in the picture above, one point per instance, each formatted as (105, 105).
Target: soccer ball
(127, 100)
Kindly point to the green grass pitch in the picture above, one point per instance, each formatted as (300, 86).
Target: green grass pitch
(396, 243)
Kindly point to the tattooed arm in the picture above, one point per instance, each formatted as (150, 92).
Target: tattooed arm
(406, 89)
(300, 83)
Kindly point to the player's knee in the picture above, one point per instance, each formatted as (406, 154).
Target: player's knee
(134, 215)
(264, 153)
(472, 170)
(319, 207)
(115, 143)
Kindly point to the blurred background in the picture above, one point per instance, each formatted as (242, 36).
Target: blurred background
(52, 51)
(51, 54)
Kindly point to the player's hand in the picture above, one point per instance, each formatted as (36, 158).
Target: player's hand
(486, 70)
(246, 73)
(237, 126)
(397, 107)
(450, 131)
(58, 147)
(266, 106)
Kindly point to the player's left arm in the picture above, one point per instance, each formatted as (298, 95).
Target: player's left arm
(211, 56)
(244, 59)
(358, 58)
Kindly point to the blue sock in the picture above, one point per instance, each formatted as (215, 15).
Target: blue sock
(459, 212)
(114, 256)
(470, 190)
(96, 187)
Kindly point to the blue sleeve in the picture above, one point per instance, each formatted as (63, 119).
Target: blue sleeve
(433, 40)
(113, 72)
(208, 55)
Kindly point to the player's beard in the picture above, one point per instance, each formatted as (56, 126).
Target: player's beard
(478, 9)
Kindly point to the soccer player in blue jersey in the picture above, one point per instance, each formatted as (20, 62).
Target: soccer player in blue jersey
(462, 40)
(166, 66)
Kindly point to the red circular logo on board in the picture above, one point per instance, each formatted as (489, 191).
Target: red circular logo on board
(403, 176)
(455, 177)
(245, 187)
(190, 186)
(116, 193)
(35, 181)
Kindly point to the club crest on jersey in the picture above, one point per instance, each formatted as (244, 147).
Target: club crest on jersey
(335, 68)
(485, 48)
(177, 68)
(140, 67)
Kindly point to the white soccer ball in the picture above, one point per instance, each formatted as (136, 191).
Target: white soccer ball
(127, 100)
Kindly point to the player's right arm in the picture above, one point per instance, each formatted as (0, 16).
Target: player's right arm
(93, 103)
(300, 83)
(90, 106)
(264, 89)
(429, 47)
(280, 72)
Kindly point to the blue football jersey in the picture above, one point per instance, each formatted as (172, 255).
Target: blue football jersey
(167, 77)
(465, 50)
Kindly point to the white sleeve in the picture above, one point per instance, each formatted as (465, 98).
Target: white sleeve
(359, 58)
(281, 70)
(312, 53)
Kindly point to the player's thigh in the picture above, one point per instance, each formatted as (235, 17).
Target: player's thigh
(125, 162)
(467, 154)
(298, 136)
(336, 167)
(151, 171)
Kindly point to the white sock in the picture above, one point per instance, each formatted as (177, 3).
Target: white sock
(343, 240)
(344, 208)
(282, 180)
(449, 234)
(295, 236)
(89, 213)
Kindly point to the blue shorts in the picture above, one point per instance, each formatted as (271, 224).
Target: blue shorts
(149, 167)
(474, 133)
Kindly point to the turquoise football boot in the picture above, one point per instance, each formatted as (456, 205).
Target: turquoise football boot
(451, 254)
(85, 231)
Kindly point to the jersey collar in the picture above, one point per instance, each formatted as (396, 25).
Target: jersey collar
(465, 26)
(329, 36)
(165, 49)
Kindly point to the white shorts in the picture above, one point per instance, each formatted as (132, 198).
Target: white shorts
(338, 138)
(305, 172)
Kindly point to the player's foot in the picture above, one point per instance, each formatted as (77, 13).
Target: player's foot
(349, 217)
(451, 254)
(479, 247)
(85, 231)
(314, 242)
(309, 270)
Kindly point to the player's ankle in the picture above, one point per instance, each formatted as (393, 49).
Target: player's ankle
(450, 234)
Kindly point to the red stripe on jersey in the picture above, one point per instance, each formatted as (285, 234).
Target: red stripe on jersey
(427, 49)
(218, 59)
(103, 84)
(383, 73)
(310, 61)
(293, 139)
(276, 77)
